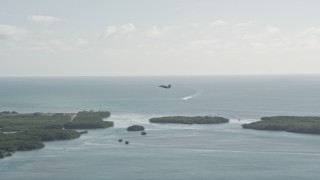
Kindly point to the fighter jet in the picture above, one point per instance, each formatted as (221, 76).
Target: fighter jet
(166, 87)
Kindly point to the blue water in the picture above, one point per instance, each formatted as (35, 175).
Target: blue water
(169, 151)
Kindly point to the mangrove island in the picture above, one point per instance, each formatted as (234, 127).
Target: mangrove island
(190, 120)
(28, 131)
(135, 128)
(295, 124)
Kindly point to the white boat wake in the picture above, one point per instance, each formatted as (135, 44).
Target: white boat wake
(198, 93)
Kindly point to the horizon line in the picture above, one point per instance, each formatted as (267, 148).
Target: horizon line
(158, 75)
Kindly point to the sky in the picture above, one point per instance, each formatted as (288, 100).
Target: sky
(159, 37)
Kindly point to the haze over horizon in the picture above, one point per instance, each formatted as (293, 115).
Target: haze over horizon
(143, 37)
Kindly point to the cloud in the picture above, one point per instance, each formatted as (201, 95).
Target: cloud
(159, 32)
(118, 31)
(267, 33)
(203, 42)
(12, 32)
(244, 25)
(193, 25)
(311, 31)
(43, 19)
(272, 30)
(80, 42)
(310, 37)
(219, 22)
(209, 45)
(55, 45)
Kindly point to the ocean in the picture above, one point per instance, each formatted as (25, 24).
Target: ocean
(169, 152)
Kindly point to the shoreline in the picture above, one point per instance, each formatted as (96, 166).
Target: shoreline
(29, 131)
(66, 126)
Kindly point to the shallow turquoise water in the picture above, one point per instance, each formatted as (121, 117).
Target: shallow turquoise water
(223, 151)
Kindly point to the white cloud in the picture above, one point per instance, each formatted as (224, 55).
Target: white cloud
(272, 30)
(272, 40)
(219, 22)
(80, 42)
(193, 25)
(48, 32)
(12, 32)
(55, 45)
(159, 32)
(309, 42)
(311, 31)
(203, 42)
(60, 44)
(268, 32)
(209, 45)
(244, 25)
(43, 19)
(310, 38)
(119, 31)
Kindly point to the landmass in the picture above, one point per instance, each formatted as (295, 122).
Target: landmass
(89, 120)
(135, 128)
(190, 120)
(22, 132)
(295, 124)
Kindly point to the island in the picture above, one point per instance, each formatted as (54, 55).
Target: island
(89, 120)
(135, 128)
(28, 131)
(189, 120)
(295, 124)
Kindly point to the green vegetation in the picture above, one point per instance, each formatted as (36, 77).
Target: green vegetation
(190, 120)
(85, 115)
(22, 122)
(89, 120)
(83, 120)
(32, 139)
(8, 112)
(308, 125)
(135, 128)
(22, 132)
(52, 134)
